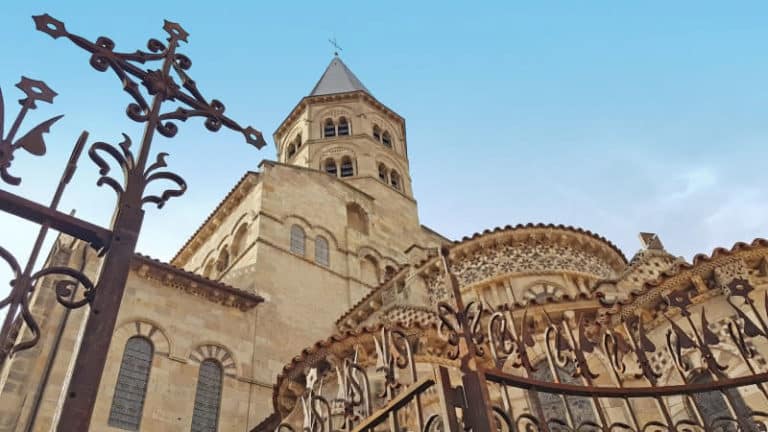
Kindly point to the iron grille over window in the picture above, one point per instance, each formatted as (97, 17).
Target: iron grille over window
(321, 251)
(131, 388)
(205, 416)
(347, 169)
(343, 127)
(297, 240)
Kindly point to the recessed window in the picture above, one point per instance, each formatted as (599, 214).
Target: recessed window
(297, 240)
(330, 167)
(347, 168)
(377, 133)
(394, 179)
(132, 380)
(205, 415)
(386, 139)
(321, 251)
(329, 129)
(383, 173)
(223, 261)
(343, 126)
(291, 151)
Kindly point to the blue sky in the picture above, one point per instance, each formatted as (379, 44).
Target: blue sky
(617, 117)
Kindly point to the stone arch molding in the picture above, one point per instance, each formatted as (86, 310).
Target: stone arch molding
(216, 352)
(142, 327)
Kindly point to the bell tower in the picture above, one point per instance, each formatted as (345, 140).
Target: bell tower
(340, 128)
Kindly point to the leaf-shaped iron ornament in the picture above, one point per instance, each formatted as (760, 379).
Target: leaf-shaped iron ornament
(32, 141)
(131, 69)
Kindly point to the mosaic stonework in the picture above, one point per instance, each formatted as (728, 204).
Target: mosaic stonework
(545, 257)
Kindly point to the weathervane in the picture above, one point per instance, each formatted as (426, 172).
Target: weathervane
(336, 46)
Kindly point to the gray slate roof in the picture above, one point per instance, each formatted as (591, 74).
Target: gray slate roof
(337, 78)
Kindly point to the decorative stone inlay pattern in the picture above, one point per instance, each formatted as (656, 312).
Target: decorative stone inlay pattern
(493, 261)
(725, 274)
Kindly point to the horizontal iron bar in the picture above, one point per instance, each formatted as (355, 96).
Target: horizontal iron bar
(97, 236)
(499, 377)
(398, 402)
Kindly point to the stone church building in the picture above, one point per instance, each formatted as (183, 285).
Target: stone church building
(306, 258)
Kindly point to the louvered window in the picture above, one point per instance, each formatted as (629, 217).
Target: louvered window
(343, 126)
(297, 240)
(321, 251)
(330, 167)
(347, 169)
(205, 417)
(131, 388)
(329, 130)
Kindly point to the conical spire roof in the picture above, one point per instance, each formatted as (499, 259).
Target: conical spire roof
(337, 78)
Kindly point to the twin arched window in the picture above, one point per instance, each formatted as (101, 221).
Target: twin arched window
(322, 252)
(131, 389)
(330, 128)
(345, 169)
(383, 137)
(390, 177)
(552, 405)
(205, 415)
(297, 240)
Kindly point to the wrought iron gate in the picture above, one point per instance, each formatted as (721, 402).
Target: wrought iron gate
(163, 73)
(509, 374)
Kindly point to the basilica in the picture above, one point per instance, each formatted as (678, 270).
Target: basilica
(312, 259)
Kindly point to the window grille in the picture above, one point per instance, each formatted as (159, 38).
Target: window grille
(131, 389)
(205, 416)
(321, 251)
(297, 240)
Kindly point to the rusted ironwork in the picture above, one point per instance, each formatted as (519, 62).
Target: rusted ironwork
(602, 375)
(166, 82)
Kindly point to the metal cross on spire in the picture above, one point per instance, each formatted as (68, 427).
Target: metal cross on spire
(336, 46)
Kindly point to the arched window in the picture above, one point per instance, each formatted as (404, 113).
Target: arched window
(291, 151)
(357, 219)
(386, 139)
(343, 126)
(376, 133)
(552, 404)
(389, 272)
(131, 388)
(347, 168)
(208, 269)
(205, 416)
(394, 179)
(223, 261)
(330, 167)
(329, 129)
(297, 240)
(238, 243)
(298, 142)
(321, 251)
(382, 173)
(369, 270)
(712, 404)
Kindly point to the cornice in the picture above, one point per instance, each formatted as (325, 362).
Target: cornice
(168, 275)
